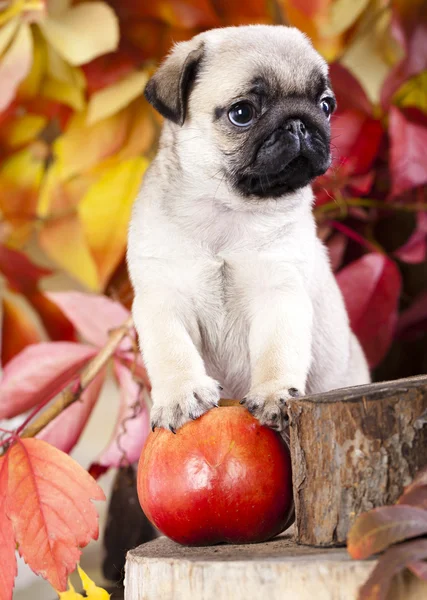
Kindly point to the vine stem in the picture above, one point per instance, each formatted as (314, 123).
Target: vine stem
(88, 374)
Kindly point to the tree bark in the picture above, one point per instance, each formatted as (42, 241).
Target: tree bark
(352, 450)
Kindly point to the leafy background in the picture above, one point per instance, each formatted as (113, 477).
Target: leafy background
(76, 137)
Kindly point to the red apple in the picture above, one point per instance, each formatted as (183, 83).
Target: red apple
(221, 478)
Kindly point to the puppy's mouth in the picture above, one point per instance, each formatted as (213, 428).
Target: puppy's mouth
(296, 174)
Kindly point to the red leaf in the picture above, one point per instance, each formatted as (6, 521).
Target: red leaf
(393, 561)
(55, 322)
(413, 321)
(408, 141)
(356, 140)
(21, 274)
(108, 68)
(49, 505)
(132, 426)
(371, 289)
(93, 316)
(419, 568)
(348, 91)
(415, 249)
(38, 373)
(64, 432)
(376, 530)
(8, 568)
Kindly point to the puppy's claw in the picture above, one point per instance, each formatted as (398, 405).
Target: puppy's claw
(294, 392)
(172, 429)
(243, 400)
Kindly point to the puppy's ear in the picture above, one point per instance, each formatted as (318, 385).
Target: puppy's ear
(169, 88)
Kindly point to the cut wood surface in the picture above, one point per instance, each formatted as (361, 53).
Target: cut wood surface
(352, 450)
(275, 570)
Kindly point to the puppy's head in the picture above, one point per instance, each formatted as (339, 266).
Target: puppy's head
(257, 102)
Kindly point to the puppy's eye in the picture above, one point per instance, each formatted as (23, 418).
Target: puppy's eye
(326, 104)
(241, 114)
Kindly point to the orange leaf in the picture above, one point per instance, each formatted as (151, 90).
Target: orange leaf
(18, 330)
(7, 539)
(49, 505)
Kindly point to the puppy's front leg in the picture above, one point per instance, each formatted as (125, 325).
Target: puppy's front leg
(280, 350)
(168, 334)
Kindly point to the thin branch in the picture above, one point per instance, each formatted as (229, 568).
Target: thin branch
(72, 394)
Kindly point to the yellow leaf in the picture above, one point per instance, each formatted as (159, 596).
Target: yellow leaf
(413, 92)
(15, 65)
(367, 56)
(23, 129)
(30, 86)
(105, 212)
(7, 32)
(70, 594)
(143, 130)
(342, 15)
(81, 147)
(61, 196)
(11, 11)
(60, 70)
(113, 98)
(83, 32)
(63, 241)
(93, 592)
(63, 92)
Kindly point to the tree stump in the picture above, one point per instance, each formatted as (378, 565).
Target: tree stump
(354, 449)
(277, 570)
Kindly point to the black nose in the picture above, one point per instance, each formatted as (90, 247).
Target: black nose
(296, 127)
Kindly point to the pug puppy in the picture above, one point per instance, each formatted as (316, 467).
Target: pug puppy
(234, 293)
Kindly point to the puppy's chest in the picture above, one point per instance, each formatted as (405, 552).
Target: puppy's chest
(221, 307)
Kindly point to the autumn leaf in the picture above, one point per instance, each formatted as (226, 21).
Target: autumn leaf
(93, 592)
(15, 64)
(48, 502)
(105, 212)
(379, 528)
(8, 569)
(415, 249)
(18, 330)
(371, 288)
(415, 494)
(72, 34)
(132, 423)
(408, 140)
(22, 274)
(109, 100)
(64, 242)
(393, 561)
(94, 316)
(65, 430)
(38, 373)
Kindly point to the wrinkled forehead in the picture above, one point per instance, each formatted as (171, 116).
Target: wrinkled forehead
(281, 61)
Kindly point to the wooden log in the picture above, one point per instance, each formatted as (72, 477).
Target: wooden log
(277, 570)
(352, 450)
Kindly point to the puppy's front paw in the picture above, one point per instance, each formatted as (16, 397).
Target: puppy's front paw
(267, 402)
(182, 401)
